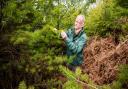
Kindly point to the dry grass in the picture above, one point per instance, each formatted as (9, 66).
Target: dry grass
(102, 58)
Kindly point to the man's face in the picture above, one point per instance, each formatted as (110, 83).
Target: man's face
(78, 23)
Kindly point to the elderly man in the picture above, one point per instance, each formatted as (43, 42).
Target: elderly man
(75, 39)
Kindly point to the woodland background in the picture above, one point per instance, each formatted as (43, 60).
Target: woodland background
(32, 53)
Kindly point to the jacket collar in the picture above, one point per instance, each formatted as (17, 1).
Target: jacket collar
(80, 33)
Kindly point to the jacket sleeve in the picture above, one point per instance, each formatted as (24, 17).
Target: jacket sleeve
(68, 32)
(76, 48)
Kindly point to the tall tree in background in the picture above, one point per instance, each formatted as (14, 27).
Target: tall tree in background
(30, 47)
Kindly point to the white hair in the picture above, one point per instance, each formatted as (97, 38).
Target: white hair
(82, 16)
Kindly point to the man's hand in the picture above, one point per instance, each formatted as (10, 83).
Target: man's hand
(63, 35)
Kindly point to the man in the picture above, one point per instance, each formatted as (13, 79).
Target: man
(75, 39)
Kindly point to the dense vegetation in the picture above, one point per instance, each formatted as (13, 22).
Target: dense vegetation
(31, 49)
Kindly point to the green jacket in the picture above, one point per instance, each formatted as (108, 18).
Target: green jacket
(75, 44)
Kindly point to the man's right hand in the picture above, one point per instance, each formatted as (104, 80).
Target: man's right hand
(63, 35)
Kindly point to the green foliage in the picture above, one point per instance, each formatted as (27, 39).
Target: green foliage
(31, 25)
(44, 48)
(22, 85)
(105, 19)
(31, 87)
(122, 78)
(44, 41)
(72, 85)
(77, 80)
(123, 3)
